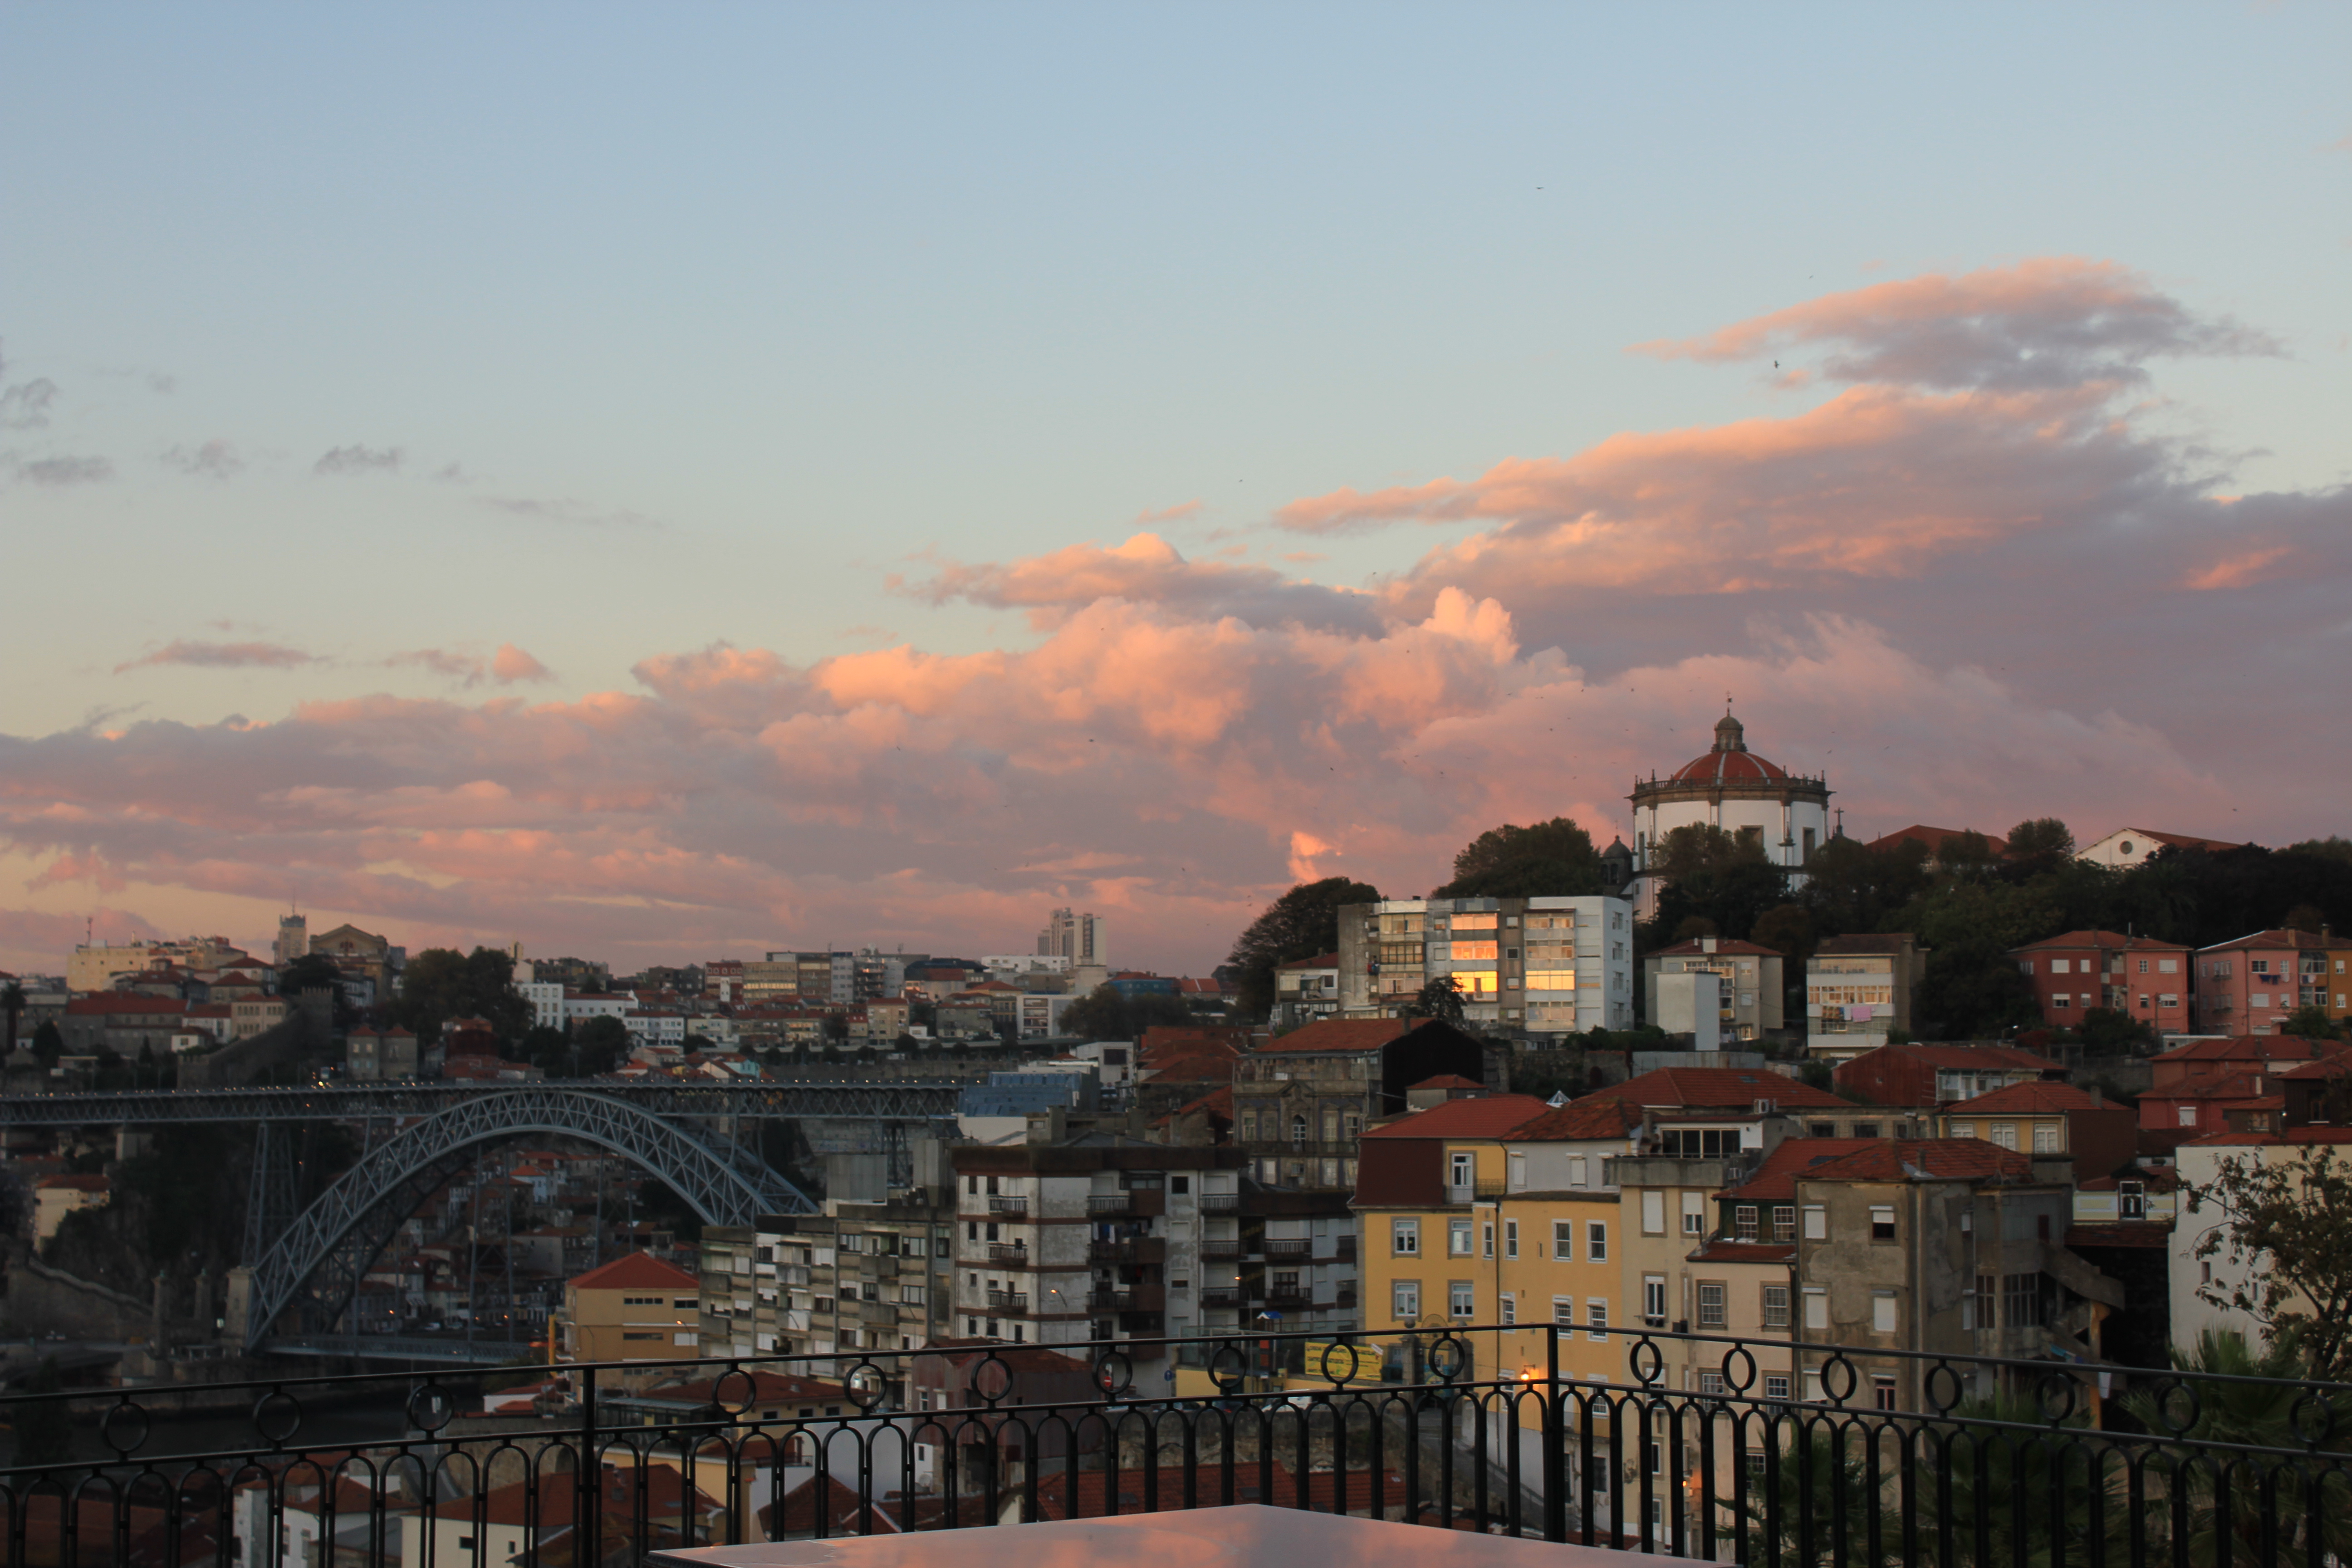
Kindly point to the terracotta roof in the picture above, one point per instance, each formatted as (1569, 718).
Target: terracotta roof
(1933, 838)
(2126, 1234)
(1580, 1118)
(1018, 1357)
(2174, 840)
(2037, 1097)
(637, 1270)
(1774, 1179)
(665, 1496)
(2333, 1067)
(122, 1001)
(77, 1185)
(1745, 1252)
(1917, 1159)
(1696, 947)
(1728, 767)
(1488, 1117)
(2301, 941)
(1964, 1057)
(1322, 961)
(2253, 1048)
(1447, 1081)
(2103, 938)
(1348, 1035)
(1741, 1086)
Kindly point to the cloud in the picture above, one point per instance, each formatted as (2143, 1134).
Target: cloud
(224, 656)
(1146, 568)
(1182, 512)
(26, 407)
(215, 459)
(2053, 322)
(1966, 598)
(344, 460)
(66, 471)
(506, 667)
(36, 942)
(572, 512)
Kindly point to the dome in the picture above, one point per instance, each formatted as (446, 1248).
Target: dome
(1730, 762)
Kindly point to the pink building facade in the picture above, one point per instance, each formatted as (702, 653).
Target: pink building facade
(2148, 980)
(2251, 986)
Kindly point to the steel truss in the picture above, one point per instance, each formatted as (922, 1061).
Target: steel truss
(862, 1101)
(314, 1265)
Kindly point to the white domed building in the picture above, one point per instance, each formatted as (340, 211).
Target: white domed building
(1733, 789)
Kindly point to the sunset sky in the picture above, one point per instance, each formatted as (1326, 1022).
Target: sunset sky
(663, 483)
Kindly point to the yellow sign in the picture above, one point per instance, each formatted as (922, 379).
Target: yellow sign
(1335, 1363)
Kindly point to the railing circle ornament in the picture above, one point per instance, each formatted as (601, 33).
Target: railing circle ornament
(866, 1385)
(1448, 1357)
(1114, 1373)
(2181, 1421)
(1338, 1379)
(1934, 1393)
(991, 1380)
(1746, 1379)
(276, 1416)
(735, 1392)
(1228, 1381)
(1646, 1362)
(2055, 1393)
(1834, 1393)
(2312, 1403)
(430, 1408)
(125, 1428)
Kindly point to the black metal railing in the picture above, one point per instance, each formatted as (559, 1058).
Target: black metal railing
(1699, 1446)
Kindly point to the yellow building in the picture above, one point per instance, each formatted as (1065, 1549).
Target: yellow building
(2334, 979)
(634, 1308)
(1563, 1238)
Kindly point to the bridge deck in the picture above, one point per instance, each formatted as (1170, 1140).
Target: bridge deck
(871, 1102)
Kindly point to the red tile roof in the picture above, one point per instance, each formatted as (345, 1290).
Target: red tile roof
(1745, 1252)
(1933, 838)
(122, 1002)
(2103, 938)
(639, 1270)
(1923, 1159)
(1580, 1118)
(2334, 1066)
(2036, 1098)
(1321, 961)
(76, 1184)
(1488, 1117)
(1717, 1087)
(1344, 1035)
(1447, 1081)
(665, 1497)
(2292, 1135)
(1095, 1500)
(1728, 767)
(2255, 1049)
(2301, 941)
(1774, 1179)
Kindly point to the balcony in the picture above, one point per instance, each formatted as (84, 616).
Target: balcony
(1220, 1251)
(1008, 1300)
(1101, 1204)
(1008, 1252)
(1290, 1296)
(1300, 1248)
(1346, 1251)
(1015, 1207)
(878, 1311)
(1130, 1251)
(1220, 1202)
(1221, 1297)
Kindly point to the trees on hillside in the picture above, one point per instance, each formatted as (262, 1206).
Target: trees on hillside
(1553, 858)
(1302, 923)
(1106, 1013)
(441, 984)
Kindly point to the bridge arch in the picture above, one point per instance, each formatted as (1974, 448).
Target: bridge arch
(314, 1266)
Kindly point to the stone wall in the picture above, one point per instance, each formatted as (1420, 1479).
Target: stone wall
(42, 1299)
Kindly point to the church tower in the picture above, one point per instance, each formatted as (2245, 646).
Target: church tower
(1784, 813)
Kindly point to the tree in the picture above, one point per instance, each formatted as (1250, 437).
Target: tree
(1440, 998)
(1107, 1014)
(2111, 1032)
(48, 1042)
(1725, 879)
(1788, 930)
(1302, 923)
(2003, 1454)
(2312, 1023)
(549, 1049)
(2039, 844)
(2285, 1232)
(1550, 859)
(44, 1433)
(1824, 1475)
(600, 1045)
(441, 984)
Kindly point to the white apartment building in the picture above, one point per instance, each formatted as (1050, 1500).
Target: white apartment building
(1546, 965)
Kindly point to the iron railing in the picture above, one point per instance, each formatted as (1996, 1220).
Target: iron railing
(1770, 1455)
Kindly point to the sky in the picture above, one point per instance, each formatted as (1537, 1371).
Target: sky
(669, 483)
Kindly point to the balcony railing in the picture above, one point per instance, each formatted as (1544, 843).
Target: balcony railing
(1002, 1252)
(1220, 1202)
(1221, 1251)
(1109, 1204)
(1008, 1300)
(1288, 1248)
(1224, 1296)
(1803, 1455)
(1008, 1206)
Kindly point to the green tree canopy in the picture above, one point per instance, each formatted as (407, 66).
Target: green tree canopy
(2284, 1230)
(2038, 844)
(1439, 998)
(441, 984)
(1553, 859)
(600, 1043)
(1302, 923)
(1106, 1013)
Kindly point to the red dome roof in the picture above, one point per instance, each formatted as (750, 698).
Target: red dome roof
(1728, 767)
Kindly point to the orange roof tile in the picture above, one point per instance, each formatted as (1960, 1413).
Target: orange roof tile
(1580, 1118)
(638, 1269)
(1490, 1117)
(1344, 1035)
(2035, 1098)
(1716, 1087)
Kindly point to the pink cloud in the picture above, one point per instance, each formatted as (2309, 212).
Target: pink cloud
(223, 655)
(1146, 568)
(510, 664)
(506, 667)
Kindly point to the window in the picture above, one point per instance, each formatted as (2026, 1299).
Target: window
(1817, 1307)
(2045, 1138)
(1820, 1129)
(2131, 1200)
(1460, 1298)
(1405, 1300)
(2188, 1113)
(2059, 1001)
(1699, 1142)
(1710, 1304)
(1784, 1223)
(2061, 966)
(1882, 1390)
(1298, 1132)
(1775, 1306)
(1486, 1239)
(1563, 1240)
(1463, 1168)
(2003, 1135)
(1984, 1318)
(2021, 1301)
(1743, 1219)
(1817, 1223)
(1653, 1299)
(1518, 1172)
(1775, 1386)
(1510, 1238)
(1596, 1319)
(1457, 1238)
(1693, 1213)
(1865, 1129)
(1711, 1382)
(1576, 1171)
(1179, 1183)
(1596, 1242)
(2172, 999)
(1882, 1222)
(1563, 1311)
(1654, 1212)
(1404, 1237)
(1510, 1305)
(1882, 1313)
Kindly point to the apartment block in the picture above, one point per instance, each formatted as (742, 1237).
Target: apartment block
(1538, 966)
(1751, 989)
(2145, 979)
(1302, 1101)
(1858, 991)
(2251, 986)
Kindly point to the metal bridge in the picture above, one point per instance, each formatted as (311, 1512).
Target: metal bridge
(314, 1260)
(453, 1351)
(767, 1098)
